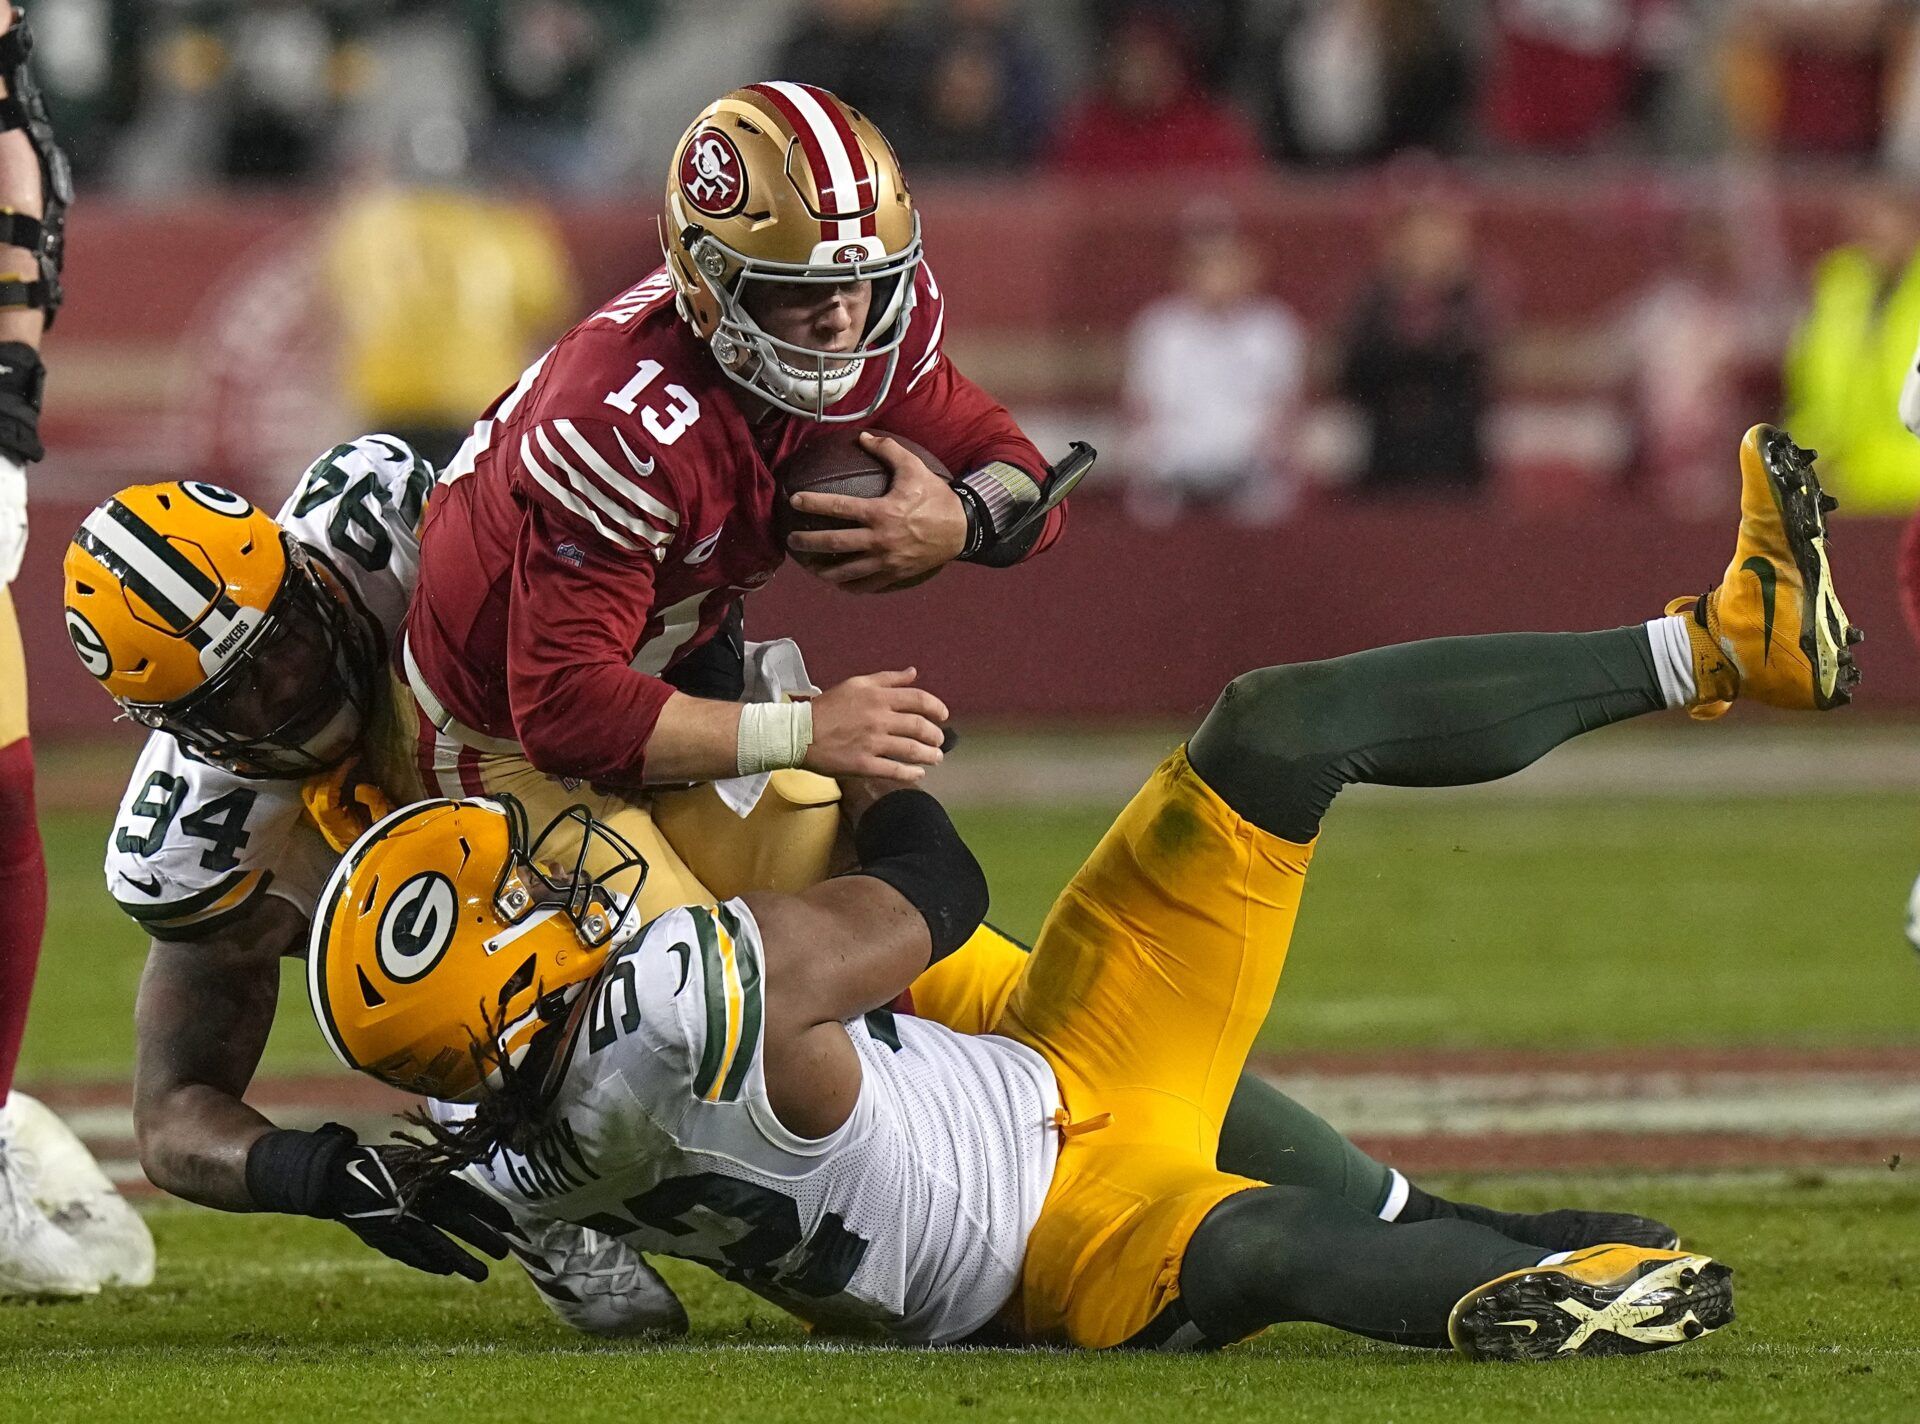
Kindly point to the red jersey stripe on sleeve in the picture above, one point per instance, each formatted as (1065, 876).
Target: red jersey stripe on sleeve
(564, 461)
(561, 494)
(601, 466)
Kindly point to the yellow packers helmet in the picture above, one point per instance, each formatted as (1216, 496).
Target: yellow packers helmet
(204, 619)
(782, 182)
(445, 941)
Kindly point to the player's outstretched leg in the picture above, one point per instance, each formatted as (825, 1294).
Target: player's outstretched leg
(1281, 742)
(1279, 1254)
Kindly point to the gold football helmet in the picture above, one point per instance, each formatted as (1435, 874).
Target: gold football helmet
(445, 941)
(206, 620)
(782, 182)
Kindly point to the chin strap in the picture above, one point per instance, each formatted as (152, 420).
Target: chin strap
(24, 108)
(1007, 508)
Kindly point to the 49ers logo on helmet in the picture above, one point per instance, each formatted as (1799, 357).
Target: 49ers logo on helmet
(851, 253)
(712, 175)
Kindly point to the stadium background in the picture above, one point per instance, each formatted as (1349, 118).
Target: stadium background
(1670, 960)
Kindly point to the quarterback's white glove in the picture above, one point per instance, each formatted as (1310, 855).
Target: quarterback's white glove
(13, 517)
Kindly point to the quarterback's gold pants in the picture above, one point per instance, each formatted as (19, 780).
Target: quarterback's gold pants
(13, 675)
(1151, 976)
(785, 844)
(697, 849)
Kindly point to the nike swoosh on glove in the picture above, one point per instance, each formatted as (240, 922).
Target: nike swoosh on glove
(331, 1175)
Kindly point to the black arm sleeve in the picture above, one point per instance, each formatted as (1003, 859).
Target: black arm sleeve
(717, 669)
(906, 840)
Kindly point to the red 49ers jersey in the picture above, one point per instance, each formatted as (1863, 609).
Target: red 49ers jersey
(609, 508)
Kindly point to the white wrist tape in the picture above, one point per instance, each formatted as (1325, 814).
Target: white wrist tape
(773, 735)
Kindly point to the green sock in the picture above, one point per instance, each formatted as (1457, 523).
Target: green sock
(1269, 1137)
(1281, 742)
(1291, 1253)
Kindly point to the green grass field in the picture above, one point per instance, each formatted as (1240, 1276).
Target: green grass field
(1430, 921)
(1437, 919)
(291, 1320)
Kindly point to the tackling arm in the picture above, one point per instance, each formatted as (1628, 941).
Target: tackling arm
(204, 1012)
(855, 943)
(201, 1023)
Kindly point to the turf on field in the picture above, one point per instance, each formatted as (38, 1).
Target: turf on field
(290, 1320)
(1431, 920)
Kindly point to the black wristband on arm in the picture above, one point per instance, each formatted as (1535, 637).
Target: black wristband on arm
(288, 1171)
(23, 382)
(906, 840)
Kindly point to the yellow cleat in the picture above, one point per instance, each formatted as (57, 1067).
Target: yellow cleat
(1605, 1300)
(1773, 629)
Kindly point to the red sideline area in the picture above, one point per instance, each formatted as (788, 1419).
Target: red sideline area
(1120, 622)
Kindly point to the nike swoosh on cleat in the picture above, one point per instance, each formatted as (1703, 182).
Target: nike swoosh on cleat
(1530, 1326)
(1764, 571)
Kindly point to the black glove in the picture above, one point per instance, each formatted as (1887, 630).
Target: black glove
(329, 1174)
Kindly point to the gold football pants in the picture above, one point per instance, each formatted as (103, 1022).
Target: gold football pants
(1151, 976)
(696, 848)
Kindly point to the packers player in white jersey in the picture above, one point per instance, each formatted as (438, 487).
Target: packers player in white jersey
(723, 1084)
(252, 648)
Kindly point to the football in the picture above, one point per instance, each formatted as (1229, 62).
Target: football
(834, 464)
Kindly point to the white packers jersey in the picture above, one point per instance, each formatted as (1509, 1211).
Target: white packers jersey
(914, 1215)
(194, 845)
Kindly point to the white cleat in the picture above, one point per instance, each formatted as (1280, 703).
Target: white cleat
(70, 1188)
(38, 1261)
(596, 1283)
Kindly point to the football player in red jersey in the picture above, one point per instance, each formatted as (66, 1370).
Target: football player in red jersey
(607, 514)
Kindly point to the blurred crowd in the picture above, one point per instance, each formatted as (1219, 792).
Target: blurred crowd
(440, 126)
(157, 94)
(1222, 381)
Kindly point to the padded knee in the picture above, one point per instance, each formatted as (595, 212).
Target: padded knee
(1269, 748)
(1235, 1273)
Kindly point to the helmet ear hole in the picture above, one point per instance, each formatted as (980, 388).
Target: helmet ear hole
(518, 982)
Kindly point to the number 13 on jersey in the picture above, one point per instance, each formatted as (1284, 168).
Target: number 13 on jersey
(664, 426)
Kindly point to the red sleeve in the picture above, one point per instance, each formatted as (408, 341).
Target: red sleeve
(1910, 574)
(967, 428)
(577, 612)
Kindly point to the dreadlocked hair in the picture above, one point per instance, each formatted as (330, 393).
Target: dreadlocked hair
(508, 1113)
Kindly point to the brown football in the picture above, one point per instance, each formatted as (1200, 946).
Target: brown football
(836, 463)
